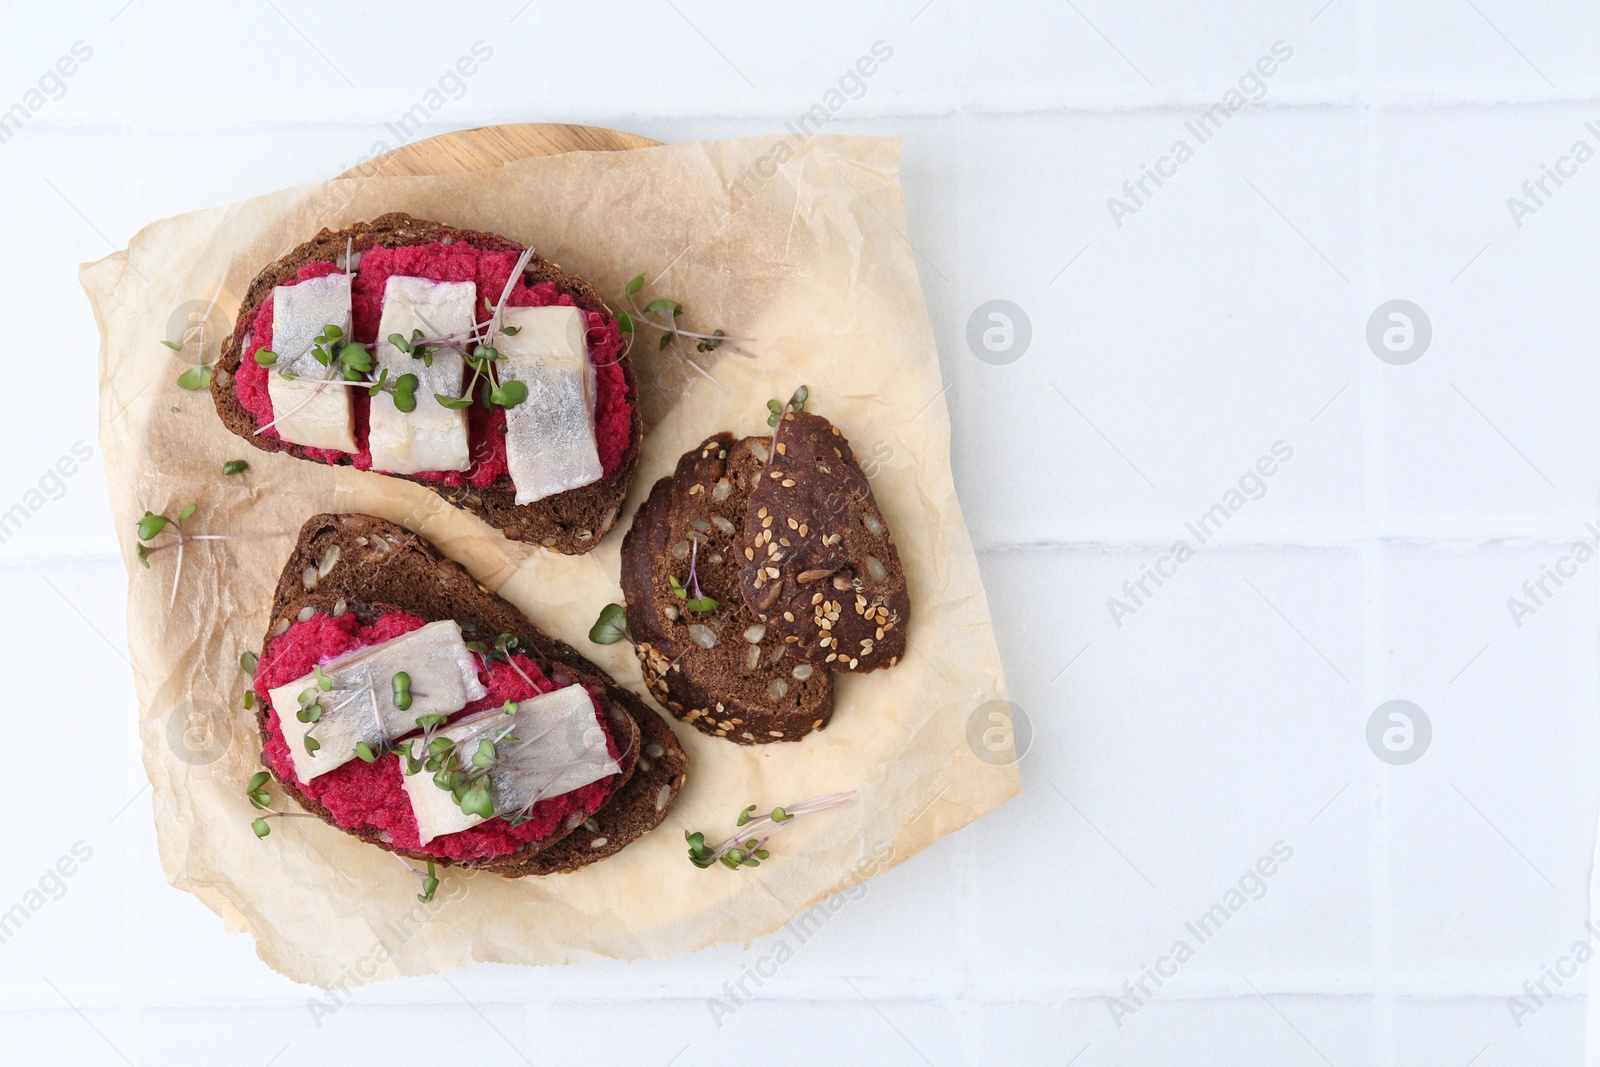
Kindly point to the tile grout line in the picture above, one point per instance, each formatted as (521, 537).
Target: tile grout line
(1374, 582)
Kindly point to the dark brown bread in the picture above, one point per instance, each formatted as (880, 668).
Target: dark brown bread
(365, 564)
(750, 691)
(820, 563)
(572, 522)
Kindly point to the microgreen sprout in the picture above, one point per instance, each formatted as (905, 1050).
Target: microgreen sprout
(261, 799)
(797, 402)
(611, 626)
(235, 466)
(699, 602)
(154, 525)
(748, 847)
(430, 880)
(667, 312)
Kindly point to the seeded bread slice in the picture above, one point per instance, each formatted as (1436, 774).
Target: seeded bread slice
(571, 522)
(822, 569)
(750, 691)
(365, 564)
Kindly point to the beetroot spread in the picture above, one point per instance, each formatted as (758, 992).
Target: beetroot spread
(459, 262)
(372, 795)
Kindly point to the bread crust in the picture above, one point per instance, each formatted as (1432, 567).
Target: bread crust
(572, 522)
(410, 575)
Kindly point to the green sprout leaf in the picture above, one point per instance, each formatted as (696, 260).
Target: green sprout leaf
(186, 512)
(235, 466)
(454, 403)
(400, 691)
(248, 662)
(611, 626)
(324, 683)
(266, 357)
(257, 780)
(485, 755)
(312, 744)
(261, 828)
(430, 885)
(195, 378)
(512, 393)
(744, 816)
(625, 322)
(151, 526)
(364, 752)
(510, 707)
(663, 306)
(635, 284)
(175, 346)
(476, 801)
(701, 604)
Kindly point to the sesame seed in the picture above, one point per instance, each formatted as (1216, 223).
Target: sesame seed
(787, 483)
(783, 449)
(802, 529)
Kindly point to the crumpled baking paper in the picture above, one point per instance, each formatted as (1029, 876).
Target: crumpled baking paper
(806, 256)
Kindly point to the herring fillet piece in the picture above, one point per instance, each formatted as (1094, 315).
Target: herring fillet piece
(321, 414)
(552, 745)
(433, 437)
(550, 444)
(444, 679)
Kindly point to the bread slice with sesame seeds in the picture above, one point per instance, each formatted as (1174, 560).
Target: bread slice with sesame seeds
(822, 567)
(704, 654)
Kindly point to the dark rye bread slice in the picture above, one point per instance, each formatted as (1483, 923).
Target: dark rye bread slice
(821, 567)
(363, 561)
(572, 522)
(752, 692)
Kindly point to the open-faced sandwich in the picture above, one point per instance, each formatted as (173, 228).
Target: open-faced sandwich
(402, 702)
(455, 359)
(754, 573)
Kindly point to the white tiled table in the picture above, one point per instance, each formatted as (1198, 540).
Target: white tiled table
(1226, 714)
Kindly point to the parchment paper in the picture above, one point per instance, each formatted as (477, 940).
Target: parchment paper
(811, 262)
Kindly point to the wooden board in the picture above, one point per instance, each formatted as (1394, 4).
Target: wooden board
(490, 146)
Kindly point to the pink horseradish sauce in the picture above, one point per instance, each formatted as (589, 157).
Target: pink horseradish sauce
(372, 795)
(458, 262)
